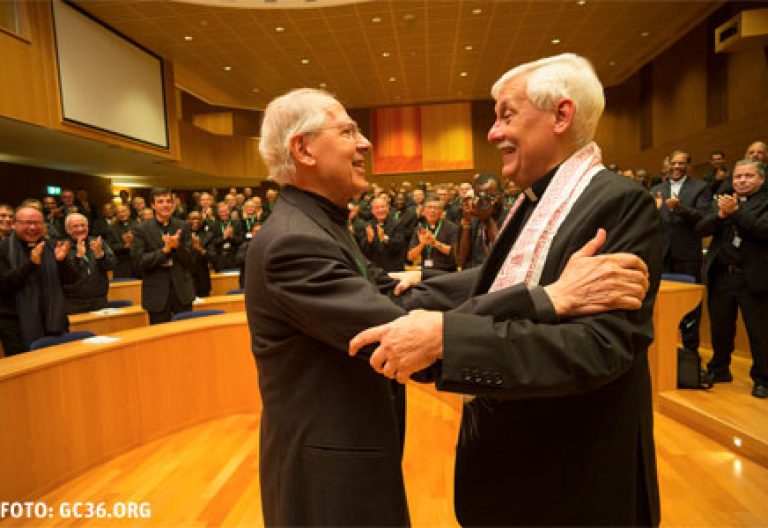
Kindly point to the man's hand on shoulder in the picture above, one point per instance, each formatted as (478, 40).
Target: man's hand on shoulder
(593, 284)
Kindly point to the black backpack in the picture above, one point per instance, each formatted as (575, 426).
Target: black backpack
(689, 373)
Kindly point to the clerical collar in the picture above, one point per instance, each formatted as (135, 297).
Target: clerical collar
(339, 215)
(536, 191)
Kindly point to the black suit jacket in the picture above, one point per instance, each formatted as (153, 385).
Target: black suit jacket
(386, 255)
(157, 276)
(562, 433)
(751, 222)
(679, 238)
(330, 444)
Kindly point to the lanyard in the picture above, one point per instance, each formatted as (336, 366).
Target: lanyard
(428, 249)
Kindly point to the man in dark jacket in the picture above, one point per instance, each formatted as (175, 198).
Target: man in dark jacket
(161, 252)
(330, 446)
(93, 258)
(736, 274)
(32, 271)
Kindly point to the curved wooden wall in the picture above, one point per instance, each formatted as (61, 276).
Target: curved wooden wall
(67, 408)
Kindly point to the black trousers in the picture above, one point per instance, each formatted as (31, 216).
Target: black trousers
(727, 292)
(690, 323)
(10, 335)
(172, 306)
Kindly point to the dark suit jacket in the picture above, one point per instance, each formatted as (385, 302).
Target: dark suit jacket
(751, 222)
(330, 445)
(386, 255)
(157, 276)
(562, 433)
(678, 229)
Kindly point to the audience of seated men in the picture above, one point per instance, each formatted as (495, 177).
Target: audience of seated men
(433, 242)
(32, 271)
(382, 240)
(93, 258)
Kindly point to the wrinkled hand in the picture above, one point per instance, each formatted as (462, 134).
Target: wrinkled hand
(61, 250)
(659, 200)
(406, 278)
(593, 284)
(406, 345)
(196, 244)
(228, 232)
(36, 254)
(380, 232)
(369, 233)
(80, 247)
(727, 205)
(97, 247)
(673, 204)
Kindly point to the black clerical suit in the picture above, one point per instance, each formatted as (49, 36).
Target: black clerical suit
(387, 251)
(331, 429)
(737, 277)
(446, 232)
(226, 248)
(167, 286)
(124, 264)
(562, 432)
(681, 244)
(31, 296)
(89, 292)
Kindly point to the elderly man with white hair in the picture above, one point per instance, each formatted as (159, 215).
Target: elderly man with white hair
(331, 428)
(561, 432)
(93, 258)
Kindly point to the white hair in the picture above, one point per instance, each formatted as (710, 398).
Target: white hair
(563, 76)
(71, 217)
(296, 112)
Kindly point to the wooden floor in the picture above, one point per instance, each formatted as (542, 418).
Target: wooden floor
(206, 476)
(725, 412)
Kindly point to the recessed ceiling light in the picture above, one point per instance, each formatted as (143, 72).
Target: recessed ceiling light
(477, 11)
(462, 74)
(469, 47)
(376, 19)
(555, 41)
(385, 54)
(227, 68)
(189, 38)
(409, 16)
(255, 90)
(645, 33)
(322, 85)
(305, 61)
(397, 97)
(581, 2)
(392, 79)
(612, 63)
(279, 29)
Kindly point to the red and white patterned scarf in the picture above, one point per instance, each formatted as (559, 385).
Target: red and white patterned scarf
(525, 262)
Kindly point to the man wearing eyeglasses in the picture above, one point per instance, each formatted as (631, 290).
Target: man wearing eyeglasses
(32, 271)
(331, 427)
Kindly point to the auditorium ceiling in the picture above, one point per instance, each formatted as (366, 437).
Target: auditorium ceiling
(389, 52)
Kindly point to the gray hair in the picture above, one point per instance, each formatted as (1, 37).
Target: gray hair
(296, 112)
(759, 166)
(563, 76)
(71, 217)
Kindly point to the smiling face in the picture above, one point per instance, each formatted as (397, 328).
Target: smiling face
(523, 134)
(76, 226)
(335, 156)
(747, 180)
(163, 207)
(678, 166)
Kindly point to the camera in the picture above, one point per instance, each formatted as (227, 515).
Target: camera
(484, 201)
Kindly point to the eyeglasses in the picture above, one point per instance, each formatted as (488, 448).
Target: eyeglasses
(346, 130)
(26, 223)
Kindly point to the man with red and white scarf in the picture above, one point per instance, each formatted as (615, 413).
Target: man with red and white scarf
(561, 430)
